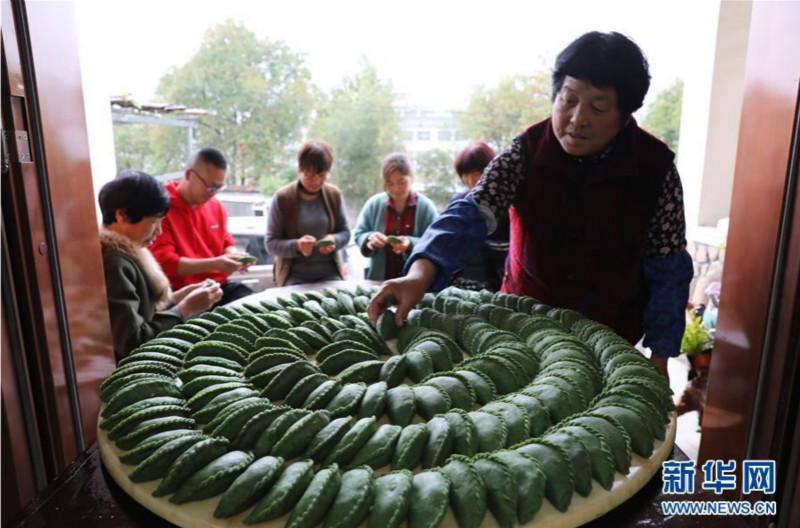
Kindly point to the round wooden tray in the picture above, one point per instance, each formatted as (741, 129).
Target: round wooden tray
(582, 509)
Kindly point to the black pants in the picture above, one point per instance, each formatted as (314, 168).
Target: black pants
(232, 291)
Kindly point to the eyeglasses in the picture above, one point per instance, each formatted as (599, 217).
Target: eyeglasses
(210, 189)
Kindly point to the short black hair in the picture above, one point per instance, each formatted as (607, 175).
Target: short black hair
(315, 155)
(606, 60)
(138, 193)
(210, 155)
(474, 158)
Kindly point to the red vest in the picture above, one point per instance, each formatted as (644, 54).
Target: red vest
(579, 230)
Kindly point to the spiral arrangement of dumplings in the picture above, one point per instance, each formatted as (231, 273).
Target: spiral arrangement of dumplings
(484, 403)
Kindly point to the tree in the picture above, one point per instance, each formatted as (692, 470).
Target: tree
(133, 147)
(498, 114)
(434, 168)
(663, 117)
(360, 123)
(259, 95)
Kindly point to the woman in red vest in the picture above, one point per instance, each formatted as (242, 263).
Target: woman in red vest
(595, 202)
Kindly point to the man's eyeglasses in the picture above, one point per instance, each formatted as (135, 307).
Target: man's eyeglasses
(210, 189)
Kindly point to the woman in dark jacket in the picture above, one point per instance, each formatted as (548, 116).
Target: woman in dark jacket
(140, 301)
(595, 202)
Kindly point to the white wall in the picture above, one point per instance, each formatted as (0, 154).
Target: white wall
(96, 102)
(712, 101)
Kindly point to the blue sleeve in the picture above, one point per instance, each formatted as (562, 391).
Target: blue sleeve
(451, 241)
(664, 321)
(426, 214)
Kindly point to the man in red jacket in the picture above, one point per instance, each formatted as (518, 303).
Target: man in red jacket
(195, 244)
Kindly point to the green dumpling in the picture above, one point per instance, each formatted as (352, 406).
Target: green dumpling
(374, 401)
(248, 487)
(347, 400)
(430, 491)
(380, 447)
(578, 456)
(642, 439)
(574, 374)
(565, 383)
(400, 405)
(657, 395)
(352, 442)
(266, 442)
(485, 390)
(559, 402)
(418, 365)
(327, 438)
(282, 497)
(353, 501)
(410, 447)
(556, 466)
(613, 434)
(297, 438)
(317, 499)
(467, 491)
(391, 499)
(501, 488)
(439, 354)
(505, 374)
(491, 429)
(530, 481)
(440, 442)
(599, 455)
(537, 412)
(430, 400)
(465, 434)
(462, 395)
(515, 417)
(393, 371)
(654, 419)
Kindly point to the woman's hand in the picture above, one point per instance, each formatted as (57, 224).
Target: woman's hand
(200, 299)
(179, 295)
(376, 240)
(405, 292)
(402, 246)
(305, 245)
(327, 250)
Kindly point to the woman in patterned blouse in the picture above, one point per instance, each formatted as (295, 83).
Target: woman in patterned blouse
(596, 208)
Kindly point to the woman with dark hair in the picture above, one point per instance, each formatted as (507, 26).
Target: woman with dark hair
(140, 301)
(485, 270)
(307, 222)
(596, 208)
(391, 222)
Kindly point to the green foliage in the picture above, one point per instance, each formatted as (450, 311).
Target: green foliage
(663, 117)
(132, 145)
(259, 95)
(500, 113)
(272, 182)
(695, 338)
(434, 169)
(361, 125)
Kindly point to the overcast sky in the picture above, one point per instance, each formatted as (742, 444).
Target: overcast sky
(435, 51)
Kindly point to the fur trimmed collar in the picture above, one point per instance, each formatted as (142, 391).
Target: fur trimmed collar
(157, 282)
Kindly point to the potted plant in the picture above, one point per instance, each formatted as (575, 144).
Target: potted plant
(697, 344)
